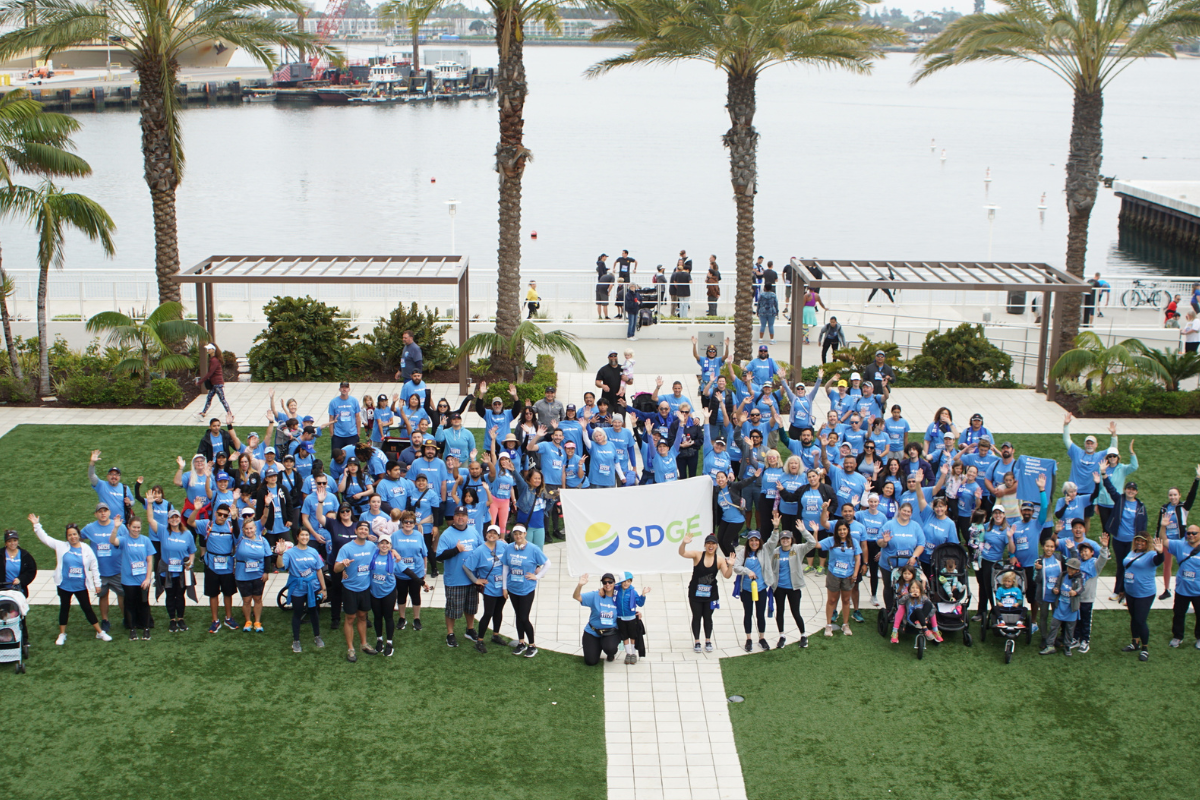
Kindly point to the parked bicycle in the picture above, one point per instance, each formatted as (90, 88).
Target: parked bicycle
(1142, 294)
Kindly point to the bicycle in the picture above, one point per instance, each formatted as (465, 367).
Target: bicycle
(1142, 295)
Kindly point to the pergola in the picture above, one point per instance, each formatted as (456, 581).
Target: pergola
(971, 276)
(308, 270)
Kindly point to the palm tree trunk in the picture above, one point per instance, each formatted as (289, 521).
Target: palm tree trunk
(511, 156)
(160, 173)
(14, 361)
(43, 342)
(1083, 173)
(742, 141)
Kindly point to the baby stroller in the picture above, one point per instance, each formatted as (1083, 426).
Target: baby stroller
(887, 614)
(953, 601)
(1008, 620)
(13, 647)
(648, 311)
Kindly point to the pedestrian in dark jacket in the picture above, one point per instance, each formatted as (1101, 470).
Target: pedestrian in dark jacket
(213, 379)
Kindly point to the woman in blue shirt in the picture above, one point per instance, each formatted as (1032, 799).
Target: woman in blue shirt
(733, 510)
(748, 562)
(996, 538)
(384, 565)
(250, 558)
(844, 560)
(76, 572)
(600, 633)
(533, 501)
(901, 540)
(137, 565)
(1138, 568)
(523, 566)
(502, 479)
(305, 585)
(381, 424)
(484, 568)
(872, 519)
(603, 470)
(411, 551)
(175, 568)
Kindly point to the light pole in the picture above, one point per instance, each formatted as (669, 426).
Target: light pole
(991, 209)
(453, 204)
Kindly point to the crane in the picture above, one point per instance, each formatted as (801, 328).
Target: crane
(327, 26)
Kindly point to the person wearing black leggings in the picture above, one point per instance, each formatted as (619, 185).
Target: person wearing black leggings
(305, 585)
(785, 572)
(1140, 567)
(483, 566)
(600, 633)
(524, 566)
(702, 590)
(77, 572)
(749, 564)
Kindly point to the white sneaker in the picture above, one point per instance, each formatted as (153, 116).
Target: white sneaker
(61, 640)
(1176, 642)
(874, 601)
(102, 636)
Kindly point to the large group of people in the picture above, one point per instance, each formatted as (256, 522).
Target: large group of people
(403, 494)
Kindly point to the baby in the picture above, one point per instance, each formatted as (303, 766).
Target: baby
(951, 585)
(626, 372)
(383, 528)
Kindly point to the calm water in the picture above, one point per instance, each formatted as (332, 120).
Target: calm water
(634, 160)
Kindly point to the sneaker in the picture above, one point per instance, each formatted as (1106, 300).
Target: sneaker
(1084, 646)
(229, 623)
(402, 623)
(368, 650)
(609, 658)
(1047, 650)
(1035, 628)
(803, 643)
(215, 627)
(1067, 652)
(846, 631)
(173, 627)
(388, 649)
(708, 647)
(145, 634)
(808, 569)
(318, 641)
(182, 626)
(133, 635)
(1175, 642)
(451, 641)
(248, 627)
(1166, 595)
(763, 644)
(531, 651)
(1197, 644)
(895, 637)
(875, 601)
(829, 630)
(104, 637)
(749, 647)
(937, 637)
(296, 648)
(470, 634)
(695, 647)
(379, 643)
(977, 618)
(258, 628)
(1112, 598)
(105, 626)
(519, 649)
(1130, 648)
(627, 661)
(820, 570)
(350, 656)
(481, 647)
(1144, 656)
(633, 658)
(857, 616)
(782, 641)
(416, 624)
(497, 640)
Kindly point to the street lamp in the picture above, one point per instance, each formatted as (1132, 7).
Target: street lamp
(453, 204)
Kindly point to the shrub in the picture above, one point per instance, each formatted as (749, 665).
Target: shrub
(543, 375)
(385, 344)
(961, 355)
(15, 391)
(229, 362)
(304, 340)
(856, 358)
(163, 393)
(84, 390)
(123, 392)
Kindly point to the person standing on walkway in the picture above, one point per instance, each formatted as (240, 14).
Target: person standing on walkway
(831, 336)
(626, 266)
(411, 359)
(345, 419)
(784, 572)
(353, 563)
(632, 304)
(75, 574)
(213, 379)
(1190, 331)
(604, 286)
(532, 301)
(600, 633)
(1126, 521)
(883, 287)
(749, 563)
(702, 589)
(250, 571)
(768, 309)
(809, 315)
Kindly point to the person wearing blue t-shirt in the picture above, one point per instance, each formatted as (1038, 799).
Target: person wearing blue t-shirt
(250, 558)
(523, 567)
(1187, 581)
(872, 519)
(384, 565)
(353, 563)
(897, 430)
(600, 633)
(749, 562)
(975, 431)
(411, 550)
(97, 534)
(485, 569)
(110, 491)
(305, 584)
(453, 547)
(459, 442)
(136, 554)
(762, 369)
(75, 573)
(495, 415)
(218, 538)
(901, 540)
(939, 529)
(1138, 568)
(844, 559)
(1085, 460)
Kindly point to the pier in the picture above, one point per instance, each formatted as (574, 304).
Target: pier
(1168, 211)
(95, 90)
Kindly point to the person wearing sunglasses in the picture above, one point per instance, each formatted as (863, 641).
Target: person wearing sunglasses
(1187, 578)
(319, 509)
(600, 634)
(252, 554)
(218, 538)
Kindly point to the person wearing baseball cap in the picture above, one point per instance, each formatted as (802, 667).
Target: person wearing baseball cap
(110, 491)
(1138, 569)
(97, 534)
(1124, 521)
(1085, 460)
(1118, 474)
(600, 633)
(801, 414)
(975, 431)
(345, 419)
(702, 589)
(783, 561)
(454, 546)
(762, 369)
(497, 420)
(484, 566)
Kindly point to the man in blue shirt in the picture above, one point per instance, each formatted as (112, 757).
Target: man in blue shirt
(218, 538)
(1085, 460)
(97, 535)
(413, 386)
(459, 442)
(411, 358)
(762, 369)
(345, 417)
(110, 491)
(453, 547)
(673, 400)
(354, 565)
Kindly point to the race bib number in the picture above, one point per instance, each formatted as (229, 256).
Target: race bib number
(904, 553)
(1022, 541)
(516, 572)
(605, 469)
(379, 578)
(253, 566)
(497, 579)
(606, 618)
(220, 562)
(407, 561)
(76, 572)
(363, 568)
(344, 416)
(1189, 574)
(704, 590)
(138, 568)
(1129, 576)
(104, 548)
(1009, 602)
(306, 573)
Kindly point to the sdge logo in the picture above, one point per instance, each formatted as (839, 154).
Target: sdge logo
(603, 539)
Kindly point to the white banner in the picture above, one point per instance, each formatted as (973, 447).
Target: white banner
(635, 528)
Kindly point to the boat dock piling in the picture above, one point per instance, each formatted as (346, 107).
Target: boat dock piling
(1168, 211)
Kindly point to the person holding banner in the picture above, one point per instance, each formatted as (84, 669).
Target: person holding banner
(603, 469)
(733, 509)
(600, 634)
(702, 590)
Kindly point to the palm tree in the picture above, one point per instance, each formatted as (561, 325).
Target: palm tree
(511, 153)
(1174, 367)
(156, 32)
(527, 338)
(152, 341)
(50, 211)
(1091, 360)
(743, 38)
(8, 287)
(1086, 43)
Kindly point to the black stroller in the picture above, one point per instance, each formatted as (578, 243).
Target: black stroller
(887, 614)
(648, 311)
(1010, 619)
(951, 589)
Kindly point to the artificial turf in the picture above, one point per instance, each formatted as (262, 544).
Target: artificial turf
(853, 718)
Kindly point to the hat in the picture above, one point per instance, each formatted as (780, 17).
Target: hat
(1089, 438)
(102, 506)
(608, 576)
(506, 456)
(786, 534)
(269, 450)
(845, 444)
(1112, 451)
(762, 348)
(1131, 485)
(719, 440)
(247, 512)
(455, 415)
(460, 510)
(115, 469)
(1006, 444)
(308, 446)
(494, 401)
(570, 407)
(800, 385)
(604, 255)
(429, 444)
(1026, 504)
(1078, 521)
(880, 353)
(272, 470)
(11, 534)
(612, 353)
(519, 527)
(948, 435)
(220, 453)
(309, 418)
(628, 576)
(854, 376)
(983, 439)
(1073, 563)
(510, 436)
(550, 389)
(344, 385)
(754, 535)
(977, 417)
(210, 346)
(174, 512)
(289, 457)
(493, 529)
(569, 444)
(222, 476)
(710, 539)
(352, 460)
(197, 457)
(842, 383)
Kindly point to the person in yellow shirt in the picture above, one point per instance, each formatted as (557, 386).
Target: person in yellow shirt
(532, 300)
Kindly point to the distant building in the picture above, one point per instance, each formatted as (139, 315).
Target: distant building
(374, 28)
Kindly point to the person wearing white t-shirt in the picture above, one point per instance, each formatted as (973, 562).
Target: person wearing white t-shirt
(1191, 333)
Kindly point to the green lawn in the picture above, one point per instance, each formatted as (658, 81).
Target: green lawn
(861, 718)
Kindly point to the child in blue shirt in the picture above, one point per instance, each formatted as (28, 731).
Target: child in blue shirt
(628, 603)
(1066, 609)
(1009, 595)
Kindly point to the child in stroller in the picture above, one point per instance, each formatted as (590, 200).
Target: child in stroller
(1009, 616)
(948, 578)
(914, 608)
